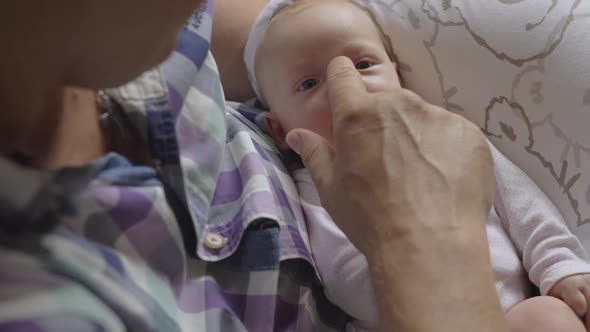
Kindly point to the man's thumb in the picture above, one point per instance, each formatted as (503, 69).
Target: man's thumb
(316, 153)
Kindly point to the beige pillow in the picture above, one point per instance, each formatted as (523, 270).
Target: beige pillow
(520, 69)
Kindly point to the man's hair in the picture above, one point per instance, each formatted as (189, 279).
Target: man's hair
(292, 6)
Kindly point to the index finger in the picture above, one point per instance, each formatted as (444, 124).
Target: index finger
(345, 85)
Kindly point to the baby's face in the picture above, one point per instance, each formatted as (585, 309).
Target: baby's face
(292, 61)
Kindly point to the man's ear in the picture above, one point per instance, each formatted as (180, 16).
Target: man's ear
(276, 131)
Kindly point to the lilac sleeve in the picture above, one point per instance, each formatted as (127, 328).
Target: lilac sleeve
(548, 249)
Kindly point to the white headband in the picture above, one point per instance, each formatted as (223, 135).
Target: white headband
(256, 34)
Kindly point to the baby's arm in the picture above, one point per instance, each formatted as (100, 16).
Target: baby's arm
(549, 251)
(343, 269)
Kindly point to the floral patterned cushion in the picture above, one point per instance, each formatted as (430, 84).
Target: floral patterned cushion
(520, 69)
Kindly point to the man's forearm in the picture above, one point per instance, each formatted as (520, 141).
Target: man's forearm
(435, 282)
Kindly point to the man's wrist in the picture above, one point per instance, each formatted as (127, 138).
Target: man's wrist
(434, 279)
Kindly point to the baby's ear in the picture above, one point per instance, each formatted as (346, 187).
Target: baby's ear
(276, 131)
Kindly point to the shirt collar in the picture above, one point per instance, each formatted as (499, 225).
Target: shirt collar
(218, 167)
(33, 201)
(170, 105)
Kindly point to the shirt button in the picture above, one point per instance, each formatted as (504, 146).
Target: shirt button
(214, 241)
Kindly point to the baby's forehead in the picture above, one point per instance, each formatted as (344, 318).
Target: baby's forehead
(300, 7)
(328, 16)
(307, 23)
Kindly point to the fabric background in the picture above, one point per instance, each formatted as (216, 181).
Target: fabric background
(517, 68)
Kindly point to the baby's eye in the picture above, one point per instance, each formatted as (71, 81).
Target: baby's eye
(365, 64)
(308, 84)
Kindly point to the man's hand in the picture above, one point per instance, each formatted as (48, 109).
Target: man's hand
(575, 291)
(411, 186)
(395, 158)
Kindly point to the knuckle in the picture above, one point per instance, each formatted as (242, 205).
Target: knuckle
(308, 155)
(367, 114)
(341, 72)
(466, 125)
(400, 101)
(409, 99)
(476, 132)
(351, 119)
(386, 103)
(353, 104)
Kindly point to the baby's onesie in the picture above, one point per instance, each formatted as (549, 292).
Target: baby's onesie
(527, 236)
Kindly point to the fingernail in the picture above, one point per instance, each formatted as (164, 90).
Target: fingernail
(294, 141)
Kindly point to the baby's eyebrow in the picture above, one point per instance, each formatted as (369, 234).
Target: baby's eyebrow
(306, 65)
(350, 48)
(357, 45)
(301, 65)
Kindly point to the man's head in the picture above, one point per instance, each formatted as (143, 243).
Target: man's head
(93, 44)
(294, 53)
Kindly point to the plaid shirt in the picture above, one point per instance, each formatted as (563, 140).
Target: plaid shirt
(211, 239)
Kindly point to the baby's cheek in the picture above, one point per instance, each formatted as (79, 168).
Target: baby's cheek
(312, 114)
(318, 121)
(323, 125)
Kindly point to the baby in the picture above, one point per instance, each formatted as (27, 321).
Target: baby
(287, 56)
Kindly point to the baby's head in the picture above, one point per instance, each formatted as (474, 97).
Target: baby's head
(290, 65)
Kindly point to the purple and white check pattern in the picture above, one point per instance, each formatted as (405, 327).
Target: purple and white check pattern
(129, 252)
